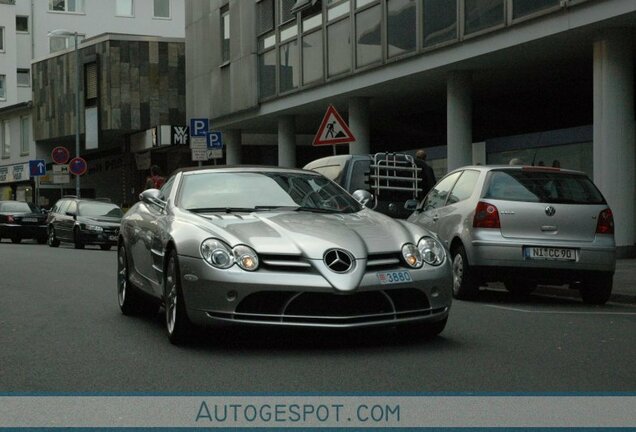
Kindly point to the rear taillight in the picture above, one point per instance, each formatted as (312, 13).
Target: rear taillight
(486, 216)
(605, 223)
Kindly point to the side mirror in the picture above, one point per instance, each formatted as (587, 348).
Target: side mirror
(152, 197)
(72, 214)
(365, 198)
(411, 205)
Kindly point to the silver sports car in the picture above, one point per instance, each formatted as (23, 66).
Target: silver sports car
(273, 246)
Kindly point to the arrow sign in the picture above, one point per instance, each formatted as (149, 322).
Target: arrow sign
(37, 168)
(333, 129)
(77, 166)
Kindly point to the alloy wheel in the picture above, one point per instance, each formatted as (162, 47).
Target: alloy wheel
(458, 272)
(122, 276)
(171, 297)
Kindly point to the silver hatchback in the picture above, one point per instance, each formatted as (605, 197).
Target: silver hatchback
(523, 226)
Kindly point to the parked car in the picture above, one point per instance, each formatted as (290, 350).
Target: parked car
(22, 220)
(523, 226)
(390, 178)
(279, 247)
(84, 222)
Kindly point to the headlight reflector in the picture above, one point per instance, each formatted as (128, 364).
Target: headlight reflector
(432, 251)
(217, 253)
(245, 257)
(93, 228)
(412, 255)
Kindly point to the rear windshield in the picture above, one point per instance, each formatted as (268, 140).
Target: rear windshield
(19, 207)
(542, 186)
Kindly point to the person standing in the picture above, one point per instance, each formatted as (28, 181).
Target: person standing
(427, 174)
(155, 180)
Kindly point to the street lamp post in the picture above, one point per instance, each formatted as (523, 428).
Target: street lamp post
(67, 33)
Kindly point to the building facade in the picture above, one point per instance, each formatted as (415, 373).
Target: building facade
(547, 81)
(33, 30)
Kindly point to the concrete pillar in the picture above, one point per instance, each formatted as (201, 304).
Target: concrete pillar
(232, 142)
(287, 142)
(614, 148)
(459, 119)
(359, 125)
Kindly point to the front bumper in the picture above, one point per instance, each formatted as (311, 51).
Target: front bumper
(98, 238)
(22, 231)
(304, 298)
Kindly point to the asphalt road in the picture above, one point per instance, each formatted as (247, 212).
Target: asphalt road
(61, 331)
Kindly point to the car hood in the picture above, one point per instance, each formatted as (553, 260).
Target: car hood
(100, 220)
(310, 234)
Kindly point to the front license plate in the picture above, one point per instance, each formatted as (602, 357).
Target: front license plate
(29, 220)
(112, 238)
(549, 253)
(387, 278)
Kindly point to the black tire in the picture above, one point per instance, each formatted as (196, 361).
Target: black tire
(465, 284)
(597, 290)
(131, 301)
(520, 288)
(77, 242)
(178, 324)
(16, 239)
(105, 247)
(52, 240)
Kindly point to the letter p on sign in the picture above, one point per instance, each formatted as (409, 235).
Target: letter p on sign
(199, 127)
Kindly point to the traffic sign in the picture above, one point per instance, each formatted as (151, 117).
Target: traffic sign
(333, 129)
(60, 155)
(77, 166)
(37, 168)
(199, 154)
(215, 140)
(199, 127)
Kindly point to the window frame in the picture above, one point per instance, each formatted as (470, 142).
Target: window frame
(22, 71)
(154, 11)
(3, 87)
(2, 44)
(25, 139)
(224, 13)
(5, 136)
(132, 9)
(79, 10)
(28, 30)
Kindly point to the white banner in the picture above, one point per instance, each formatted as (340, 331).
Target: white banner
(570, 411)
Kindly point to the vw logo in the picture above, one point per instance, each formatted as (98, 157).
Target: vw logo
(550, 211)
(338, 260)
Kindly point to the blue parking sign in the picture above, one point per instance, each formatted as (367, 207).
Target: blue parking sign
(199, 127)
(215, 140)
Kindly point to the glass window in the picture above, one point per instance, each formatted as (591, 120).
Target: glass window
(482, 14)
(25, 135)
(289, 32)
(72, 207)
(1, 38)
(286, 10)
(24, 77)
(339, 47)
(6, 139)
(66, 5)
(59, 43)
(312, 57)
(338, 11)
(359, 175)
(3, 86)
(361, 3)
(368, 36)
(526, 7)
(19, 207)
(265, 16)
(464, 187)
(267, 74)
(266, 41)
(439, 21)
(225, 34)
(289, 74)
(162, 8)
(311, 22)
(99, 209)
(124, 8)
(436, 198)
(401, 26)
(22, 23)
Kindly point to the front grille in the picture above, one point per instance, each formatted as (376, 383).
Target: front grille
(287, 263)
(332, 309)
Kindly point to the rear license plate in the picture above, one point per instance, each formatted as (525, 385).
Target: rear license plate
(29, 220)
(112, 238)
(387, 278)
(549, 253)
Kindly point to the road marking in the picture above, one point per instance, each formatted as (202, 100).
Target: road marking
(559, 312)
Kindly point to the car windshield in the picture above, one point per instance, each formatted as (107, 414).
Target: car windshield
(19, 207)
(97, 209)
(249, 191)
(543, 186)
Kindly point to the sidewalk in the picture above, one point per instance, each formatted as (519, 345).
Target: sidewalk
(624, 290)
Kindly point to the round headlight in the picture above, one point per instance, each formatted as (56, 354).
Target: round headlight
(217, 253)
(412, 256)
(245, 257)
(432, 251)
